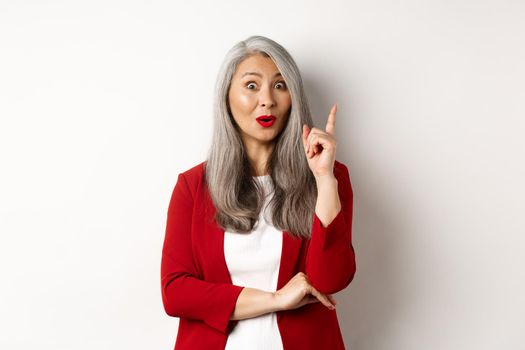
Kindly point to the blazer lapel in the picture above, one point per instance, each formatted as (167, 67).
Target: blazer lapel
(215, 236)
(289, 258)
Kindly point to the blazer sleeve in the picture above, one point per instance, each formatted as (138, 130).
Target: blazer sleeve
(184, 294)
(330, 260)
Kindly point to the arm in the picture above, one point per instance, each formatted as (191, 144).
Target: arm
(253, 302)
(330, 260)
(184, 294)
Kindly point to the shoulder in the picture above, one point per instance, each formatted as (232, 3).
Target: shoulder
(193, 176)
(194, 172)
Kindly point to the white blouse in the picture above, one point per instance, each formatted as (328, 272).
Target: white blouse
(253, 261)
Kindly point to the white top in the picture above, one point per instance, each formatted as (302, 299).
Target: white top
(253, 261)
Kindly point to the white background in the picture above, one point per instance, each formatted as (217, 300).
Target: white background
(103, 103)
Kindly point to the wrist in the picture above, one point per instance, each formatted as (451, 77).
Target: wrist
(326, 181)
(274, 302)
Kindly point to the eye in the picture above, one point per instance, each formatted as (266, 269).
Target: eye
(283, 84)
(251, 83)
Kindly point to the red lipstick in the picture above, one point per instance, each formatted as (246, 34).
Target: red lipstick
(266, 120)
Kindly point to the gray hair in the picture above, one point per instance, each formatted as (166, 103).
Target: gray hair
(238, 198)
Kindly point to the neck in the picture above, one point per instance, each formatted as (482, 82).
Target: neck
(258, 156)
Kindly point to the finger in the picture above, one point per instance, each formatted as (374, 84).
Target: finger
(306, 133)
(315, 133)
(304, 137)
(313, 147)
(317, 141)
(332, 299)
(322, 298)
(330, 124)
(316, 149)
(311, 299)
(313, 140)
(312, 133)
(309, 143)
(326, 302)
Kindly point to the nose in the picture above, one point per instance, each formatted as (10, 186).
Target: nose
(266, 98)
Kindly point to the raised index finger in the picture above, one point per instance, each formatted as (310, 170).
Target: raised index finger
(330, 124)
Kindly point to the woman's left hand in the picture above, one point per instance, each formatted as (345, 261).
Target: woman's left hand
(320, 146)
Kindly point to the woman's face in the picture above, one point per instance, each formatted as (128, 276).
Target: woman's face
(258, 89)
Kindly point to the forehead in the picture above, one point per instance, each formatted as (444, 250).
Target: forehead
(257, 65)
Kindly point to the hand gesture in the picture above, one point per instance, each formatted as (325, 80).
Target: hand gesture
(320, 145)
(298, 292)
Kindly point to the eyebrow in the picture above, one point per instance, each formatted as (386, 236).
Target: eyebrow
(259, 74)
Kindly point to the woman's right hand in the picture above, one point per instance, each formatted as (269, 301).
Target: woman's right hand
(298, 292)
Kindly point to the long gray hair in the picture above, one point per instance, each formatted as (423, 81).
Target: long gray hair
(237, 197)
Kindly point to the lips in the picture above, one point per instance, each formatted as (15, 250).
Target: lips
(266, 120)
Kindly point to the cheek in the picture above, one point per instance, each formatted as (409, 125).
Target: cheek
(286, 102)
(244, 101)
(240, 101)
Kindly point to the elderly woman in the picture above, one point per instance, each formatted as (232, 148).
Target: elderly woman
(259, 235)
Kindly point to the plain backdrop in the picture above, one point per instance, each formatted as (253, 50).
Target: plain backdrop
(103, 103)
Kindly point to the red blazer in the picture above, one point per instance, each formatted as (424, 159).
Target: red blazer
(196, 284)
